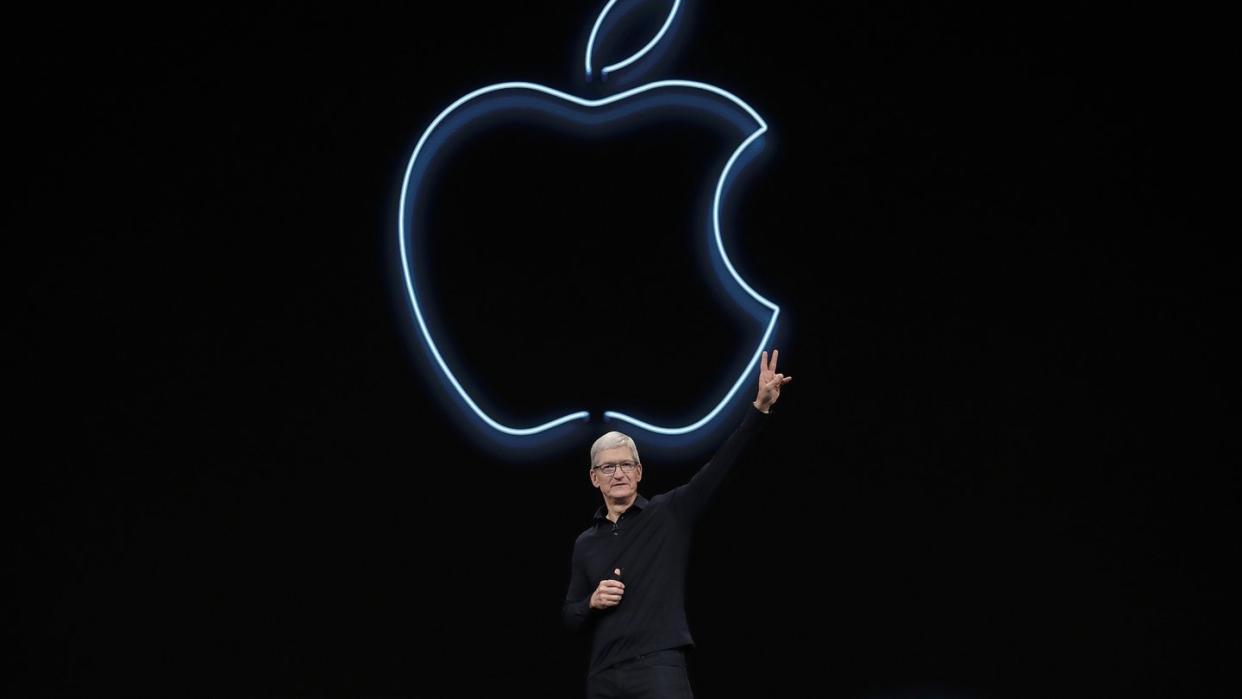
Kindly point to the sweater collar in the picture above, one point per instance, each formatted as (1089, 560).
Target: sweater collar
(639, 503)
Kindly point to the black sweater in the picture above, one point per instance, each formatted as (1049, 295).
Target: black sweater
(650, 544)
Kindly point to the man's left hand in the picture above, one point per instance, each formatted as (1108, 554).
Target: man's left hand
(770, 382)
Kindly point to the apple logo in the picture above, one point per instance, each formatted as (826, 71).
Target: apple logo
(527, 100)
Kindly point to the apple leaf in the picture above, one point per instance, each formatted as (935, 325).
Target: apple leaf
(609, 19)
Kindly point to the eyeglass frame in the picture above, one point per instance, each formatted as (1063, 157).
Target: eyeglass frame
(614, 465)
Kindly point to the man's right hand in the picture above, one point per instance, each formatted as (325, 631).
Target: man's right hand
(607, 594)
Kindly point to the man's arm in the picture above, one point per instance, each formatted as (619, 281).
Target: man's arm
(689, 501)
(576, 611)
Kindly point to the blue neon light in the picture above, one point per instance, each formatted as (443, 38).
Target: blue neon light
(599, 21)
(424, 152)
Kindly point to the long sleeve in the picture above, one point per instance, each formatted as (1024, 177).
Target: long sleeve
(689, 501)
(576, 611)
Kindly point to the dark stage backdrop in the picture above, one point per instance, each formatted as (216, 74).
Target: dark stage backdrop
(999, 470)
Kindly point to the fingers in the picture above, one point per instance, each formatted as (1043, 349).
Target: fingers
(779, 379)
(766, 367)
(609, 592)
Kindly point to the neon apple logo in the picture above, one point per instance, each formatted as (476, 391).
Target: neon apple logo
(527, 98)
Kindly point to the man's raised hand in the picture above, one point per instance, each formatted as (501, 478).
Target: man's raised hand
(770, 382)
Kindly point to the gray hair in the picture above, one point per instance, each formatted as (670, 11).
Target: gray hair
(611, 440)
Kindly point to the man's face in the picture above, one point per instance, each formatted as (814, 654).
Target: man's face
(620, 484)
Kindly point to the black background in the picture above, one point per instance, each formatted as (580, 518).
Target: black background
(998, 472)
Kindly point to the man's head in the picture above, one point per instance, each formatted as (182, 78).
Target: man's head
(615, 452)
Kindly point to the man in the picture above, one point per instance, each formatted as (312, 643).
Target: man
(627, 584)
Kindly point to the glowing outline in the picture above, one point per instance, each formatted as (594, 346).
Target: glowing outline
(720, 183)
(716, 200)
(603, 73)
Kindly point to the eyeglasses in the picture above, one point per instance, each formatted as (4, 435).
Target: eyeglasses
(609, 469)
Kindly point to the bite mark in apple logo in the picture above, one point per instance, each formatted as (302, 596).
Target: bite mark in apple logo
(528, 99)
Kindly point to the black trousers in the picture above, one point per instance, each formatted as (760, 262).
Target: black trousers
(658, 675)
